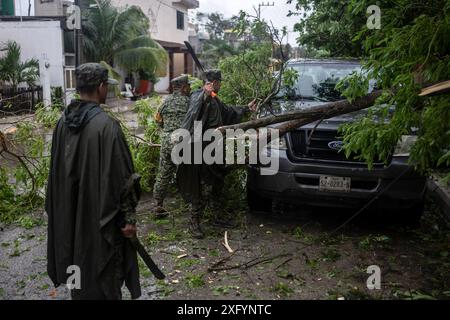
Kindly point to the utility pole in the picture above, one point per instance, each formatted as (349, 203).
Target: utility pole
(20, 9)
(81, 5)
(262, 4)
(77, 38)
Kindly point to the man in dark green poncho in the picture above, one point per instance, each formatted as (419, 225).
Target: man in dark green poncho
(91, 197)
(201, 183)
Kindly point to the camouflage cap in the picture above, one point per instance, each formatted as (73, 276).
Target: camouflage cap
(213, 74)
(92, 74)
(181, 80)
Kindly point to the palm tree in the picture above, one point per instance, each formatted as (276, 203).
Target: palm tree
(121, 35)
(13, 71)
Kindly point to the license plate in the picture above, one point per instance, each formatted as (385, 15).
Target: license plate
(340, 184)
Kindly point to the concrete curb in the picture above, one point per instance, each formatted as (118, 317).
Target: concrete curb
(440, 195)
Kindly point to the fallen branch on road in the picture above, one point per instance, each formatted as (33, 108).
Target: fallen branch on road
(221, 261)
(284, 263)
(251, 263)
(5, 147)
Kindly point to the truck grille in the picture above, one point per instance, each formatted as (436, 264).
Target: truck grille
(318, 146)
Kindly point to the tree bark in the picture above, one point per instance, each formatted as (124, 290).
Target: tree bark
(291, 120)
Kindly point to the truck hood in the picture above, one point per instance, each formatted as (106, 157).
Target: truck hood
(327, 124)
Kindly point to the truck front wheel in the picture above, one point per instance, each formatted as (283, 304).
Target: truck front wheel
(258, 203)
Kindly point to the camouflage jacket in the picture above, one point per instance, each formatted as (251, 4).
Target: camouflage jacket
(173, 111)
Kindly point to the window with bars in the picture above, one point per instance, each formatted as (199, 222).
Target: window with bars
(180, 20)
(70, 78)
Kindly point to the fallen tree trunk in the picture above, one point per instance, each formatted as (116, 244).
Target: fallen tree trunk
(438, 88)
(291, 120)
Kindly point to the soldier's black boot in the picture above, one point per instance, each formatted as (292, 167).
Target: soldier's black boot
(194, 227)
(221, 218)
(160, 212)
(223, 222)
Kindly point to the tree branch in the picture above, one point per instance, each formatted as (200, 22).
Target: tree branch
(292, 120)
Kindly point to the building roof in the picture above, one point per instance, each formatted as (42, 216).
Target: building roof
(189, 4)
(172, 46)
(32, 18)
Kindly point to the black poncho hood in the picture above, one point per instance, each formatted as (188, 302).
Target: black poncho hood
(78, 113)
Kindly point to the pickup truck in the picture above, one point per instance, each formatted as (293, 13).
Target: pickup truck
(313, 171)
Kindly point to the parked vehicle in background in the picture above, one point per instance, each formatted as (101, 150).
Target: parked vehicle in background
(313, 171)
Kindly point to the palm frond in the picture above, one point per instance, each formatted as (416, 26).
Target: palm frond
(142, 41)
(12, 70)
(112, 73)
(143, 58)
(121, 35)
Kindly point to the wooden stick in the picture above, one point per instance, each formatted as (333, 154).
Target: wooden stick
(225, 243)
(251, 263)
(218, 263)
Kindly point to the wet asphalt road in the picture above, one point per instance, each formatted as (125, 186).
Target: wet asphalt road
(23, 263)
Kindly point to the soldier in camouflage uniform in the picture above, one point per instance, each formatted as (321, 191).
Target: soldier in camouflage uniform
(201, 185)
(170, 117)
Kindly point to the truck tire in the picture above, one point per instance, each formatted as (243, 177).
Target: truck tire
(414, 214)
(258, 203)
(409, 217)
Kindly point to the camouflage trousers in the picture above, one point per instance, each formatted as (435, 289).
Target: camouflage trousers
(166, 171)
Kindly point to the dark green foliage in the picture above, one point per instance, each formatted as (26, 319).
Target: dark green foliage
(22, 185)
(13, 70)
(247, 75)
(235, 195)
(145, 153)
(329, 26)
(410, 51)
(258, 71)
(57, 96)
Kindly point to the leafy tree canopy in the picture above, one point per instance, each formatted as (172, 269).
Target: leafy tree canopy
(408, 52)
(216, 24)
(13, 70)
(328, 26)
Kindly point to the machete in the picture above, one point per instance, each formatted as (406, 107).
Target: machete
(194, 57)
(147, 259)
(197, 63)
(133, 182)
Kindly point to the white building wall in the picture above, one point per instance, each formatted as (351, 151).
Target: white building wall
(163, 18)
(163, 25)
(53, 8)
(36, 38)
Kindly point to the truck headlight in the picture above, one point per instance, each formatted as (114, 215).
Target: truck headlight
(404, 146)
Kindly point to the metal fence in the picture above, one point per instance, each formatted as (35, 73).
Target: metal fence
(21, 100)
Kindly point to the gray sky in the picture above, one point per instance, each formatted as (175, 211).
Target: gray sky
(277, 13)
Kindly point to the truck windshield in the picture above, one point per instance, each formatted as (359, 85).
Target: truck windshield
(318, 81)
